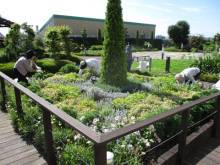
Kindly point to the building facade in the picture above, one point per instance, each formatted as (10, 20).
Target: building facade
(92, 25)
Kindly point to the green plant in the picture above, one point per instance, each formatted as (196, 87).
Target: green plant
(96, 47)
(51, 41)
(213, 78)
(69, 68)
(99, 37)
(179, 33)
(12, 40)
(67, 45)
(113, 72)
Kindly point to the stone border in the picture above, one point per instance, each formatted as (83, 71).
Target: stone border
(192, 142)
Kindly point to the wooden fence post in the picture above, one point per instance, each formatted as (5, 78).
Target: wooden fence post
(18, 102)
(3, 94)
(100, 153)
(216, 118)
(168, 64)
(51, 158)
(182, 137)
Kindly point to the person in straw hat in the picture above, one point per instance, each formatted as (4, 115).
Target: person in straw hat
(188, 74)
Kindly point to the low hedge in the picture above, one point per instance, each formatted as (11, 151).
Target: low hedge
(46, 65)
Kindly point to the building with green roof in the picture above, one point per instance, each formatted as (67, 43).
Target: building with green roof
(92, 25)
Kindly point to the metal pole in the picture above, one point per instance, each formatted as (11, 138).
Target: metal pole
(150, 63)
(162, 51)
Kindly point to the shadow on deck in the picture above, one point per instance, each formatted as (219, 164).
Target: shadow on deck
(13, 149)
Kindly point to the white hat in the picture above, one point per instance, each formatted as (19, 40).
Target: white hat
(179, 77)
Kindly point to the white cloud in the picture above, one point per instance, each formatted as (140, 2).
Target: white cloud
(194, 10)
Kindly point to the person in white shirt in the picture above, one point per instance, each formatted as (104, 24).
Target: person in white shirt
(188, 74)
(92, 64)
(24, 65)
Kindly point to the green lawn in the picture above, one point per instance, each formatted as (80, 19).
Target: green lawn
(159, 65)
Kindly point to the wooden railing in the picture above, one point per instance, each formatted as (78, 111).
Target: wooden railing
(100, 140)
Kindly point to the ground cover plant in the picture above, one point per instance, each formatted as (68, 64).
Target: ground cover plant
(104, 109)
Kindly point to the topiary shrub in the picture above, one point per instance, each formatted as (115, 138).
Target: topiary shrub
(113, 70)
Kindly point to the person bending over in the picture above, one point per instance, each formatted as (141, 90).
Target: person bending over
(188, 74)
(92, 64)
(24, 65)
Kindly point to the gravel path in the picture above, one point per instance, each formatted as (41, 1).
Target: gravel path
(156, 55)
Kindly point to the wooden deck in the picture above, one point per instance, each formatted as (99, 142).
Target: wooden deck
(207, 153)
(13, 150)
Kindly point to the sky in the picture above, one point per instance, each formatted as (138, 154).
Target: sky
(201, 15)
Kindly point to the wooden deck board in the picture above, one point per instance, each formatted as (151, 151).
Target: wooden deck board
(13, 149)
(207, 153)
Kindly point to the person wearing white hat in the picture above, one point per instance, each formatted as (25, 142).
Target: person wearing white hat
(92, 64)
(188, 74)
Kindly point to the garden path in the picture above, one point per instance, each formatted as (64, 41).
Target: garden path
(13, 150)
(157, 55)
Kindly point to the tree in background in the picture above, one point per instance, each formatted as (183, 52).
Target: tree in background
(114, 66)
(179, 33)
(196, 41)
(39, 47)
(84, 35)
(52, 41)
(27, 37)
(143, 35)
(99, 37)
(12, 40)
(151, 37)
(66, 43)
(137, 38)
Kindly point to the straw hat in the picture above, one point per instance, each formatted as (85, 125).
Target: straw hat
(179, 77)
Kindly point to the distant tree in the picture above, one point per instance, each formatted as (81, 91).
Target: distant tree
(27, 38)
(99, 37)
(52, 41)
(179, 33)
(114, 66)
(12, 40)
(137, 38)
(66, 43)
(196, 40)
(84, 35)
(39, 47)
(152, 37)
(126, 32)
(143, 35)
(216, 38)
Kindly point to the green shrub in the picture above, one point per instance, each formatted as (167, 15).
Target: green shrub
(7, 68)
(69, 68)
(208, 64)
(52, 66)
(96, 47)
(213, 78)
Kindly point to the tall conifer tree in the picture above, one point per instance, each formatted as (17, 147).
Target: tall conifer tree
(113, 70)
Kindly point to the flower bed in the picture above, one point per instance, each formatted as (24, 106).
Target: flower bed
(105, 111)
